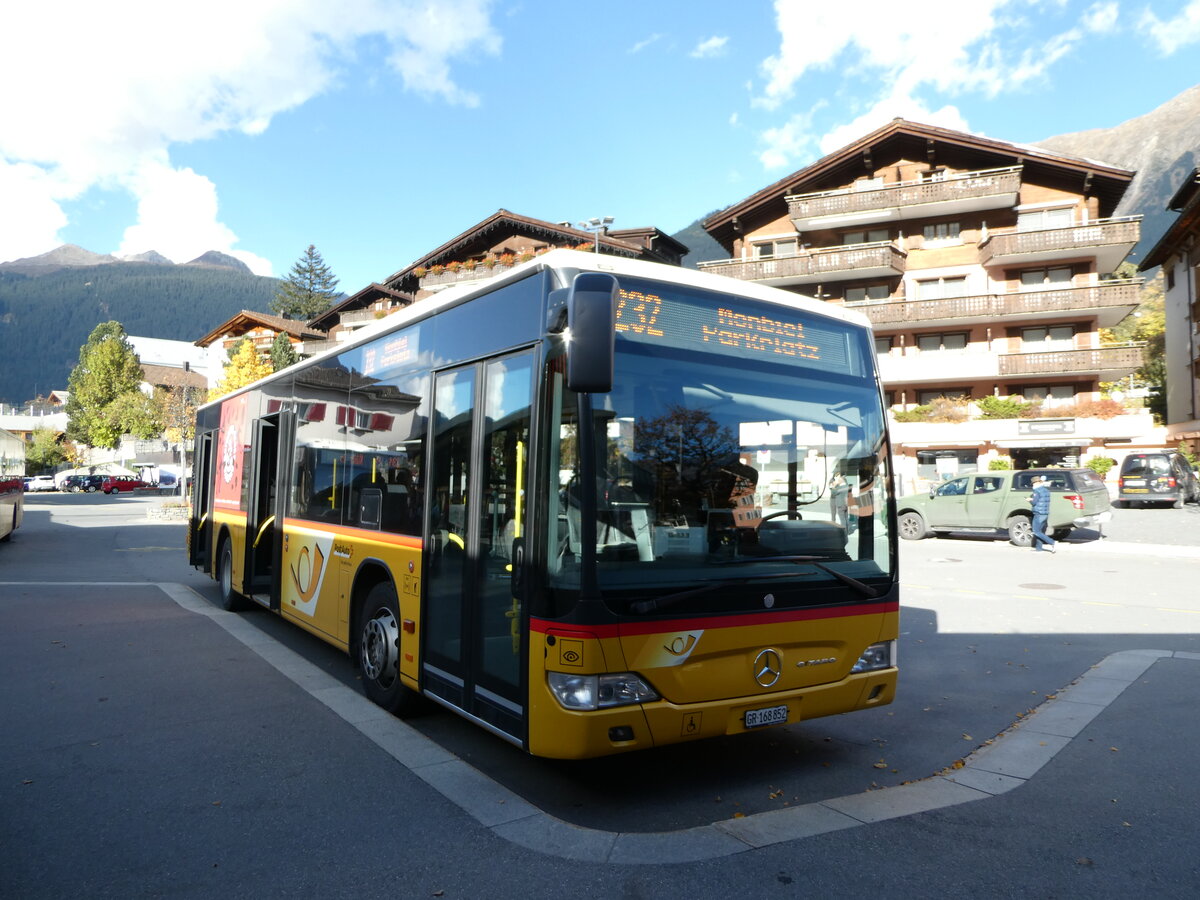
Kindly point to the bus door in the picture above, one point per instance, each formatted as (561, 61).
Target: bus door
(203, 462)
(264, 522)
(474, 621)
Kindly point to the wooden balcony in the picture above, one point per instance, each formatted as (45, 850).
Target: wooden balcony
(1109, 301)
(964, 192)
(1105, 363)
(816, 266)
(1109, 240)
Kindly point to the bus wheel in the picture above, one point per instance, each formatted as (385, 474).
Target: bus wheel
(379, 651)
(230, 599)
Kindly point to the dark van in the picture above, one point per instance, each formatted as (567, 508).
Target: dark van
(1160, 477)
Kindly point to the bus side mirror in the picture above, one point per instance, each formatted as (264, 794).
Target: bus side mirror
(591, 318)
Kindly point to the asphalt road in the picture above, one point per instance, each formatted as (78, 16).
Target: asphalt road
(159, 756)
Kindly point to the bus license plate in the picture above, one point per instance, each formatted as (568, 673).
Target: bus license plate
(772, 715)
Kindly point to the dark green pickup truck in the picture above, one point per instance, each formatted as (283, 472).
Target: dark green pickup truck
(998, 502)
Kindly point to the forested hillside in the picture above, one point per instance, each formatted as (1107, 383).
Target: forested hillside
(44, 320)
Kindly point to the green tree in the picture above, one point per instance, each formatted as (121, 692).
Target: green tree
(245, 367)
(1147, 323)
(135, 413)
(44, 450)
(308, 290)
(107, 369)
(283, 354)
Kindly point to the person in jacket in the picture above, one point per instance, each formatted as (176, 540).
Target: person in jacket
(1040, 504)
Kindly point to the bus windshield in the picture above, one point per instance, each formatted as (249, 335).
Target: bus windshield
(723, 484)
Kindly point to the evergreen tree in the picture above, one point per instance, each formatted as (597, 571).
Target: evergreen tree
(283, 354)
(245, 367)
(308, 290)
(108, 369)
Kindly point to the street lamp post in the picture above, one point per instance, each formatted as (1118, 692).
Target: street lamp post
(597, 226)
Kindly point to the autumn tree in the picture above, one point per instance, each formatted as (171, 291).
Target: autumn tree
(244, 366)
(1147, 324)
(108, 370)
(308, 290)
(44, 450)
(283, 354)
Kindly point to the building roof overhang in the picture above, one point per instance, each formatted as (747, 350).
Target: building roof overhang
(1102, 180)
(247, 319)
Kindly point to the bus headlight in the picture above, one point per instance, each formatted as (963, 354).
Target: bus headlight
(877, 656)
(599, 691)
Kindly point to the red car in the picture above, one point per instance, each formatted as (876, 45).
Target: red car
(116, 484)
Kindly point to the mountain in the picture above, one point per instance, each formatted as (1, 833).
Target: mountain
(49, 304)
(1162, 146)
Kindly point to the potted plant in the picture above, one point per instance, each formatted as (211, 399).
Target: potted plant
(420, 271)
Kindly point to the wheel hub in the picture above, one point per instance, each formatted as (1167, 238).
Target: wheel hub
(380, 646)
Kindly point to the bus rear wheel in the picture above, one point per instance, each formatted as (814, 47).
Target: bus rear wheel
(231, 600)
(379, 651)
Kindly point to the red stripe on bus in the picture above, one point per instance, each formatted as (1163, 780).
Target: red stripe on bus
(708, 622)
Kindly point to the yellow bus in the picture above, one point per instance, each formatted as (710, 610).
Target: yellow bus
(593, 505)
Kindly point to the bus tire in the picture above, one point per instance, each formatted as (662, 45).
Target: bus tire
(231, 600)
(378, 657)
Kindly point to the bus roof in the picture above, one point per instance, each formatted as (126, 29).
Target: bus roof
(567, 263)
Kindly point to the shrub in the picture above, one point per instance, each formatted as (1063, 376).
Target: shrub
(1000, 464)
(916, 414)
(1011, 407)
(1101, 464)
(947, 409)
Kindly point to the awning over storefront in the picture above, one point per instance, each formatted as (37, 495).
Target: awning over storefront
(1036, 443)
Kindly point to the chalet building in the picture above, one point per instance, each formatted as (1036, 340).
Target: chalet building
(505, 239)
(986, 270)
(1178, 252)
(262, 329)
(341, 320)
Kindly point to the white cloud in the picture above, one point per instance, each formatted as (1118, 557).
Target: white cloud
(1173, 33)
(125, 83)
(986, 47)
(642, 45)
(714, 46)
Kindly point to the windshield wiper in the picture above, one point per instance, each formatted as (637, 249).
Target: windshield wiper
(862, 587)
(649, 606)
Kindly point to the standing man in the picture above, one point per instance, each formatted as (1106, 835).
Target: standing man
(1040, 503)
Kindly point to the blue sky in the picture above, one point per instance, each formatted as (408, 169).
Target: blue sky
(378, 129)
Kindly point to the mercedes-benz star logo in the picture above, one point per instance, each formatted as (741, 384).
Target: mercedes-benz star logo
(767, 667)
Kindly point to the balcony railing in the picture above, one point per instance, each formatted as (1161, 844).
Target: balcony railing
(448, 277)
(1102, 295)
(1048, 242)
(1000, 183)
(812, 265)
(1103, 361)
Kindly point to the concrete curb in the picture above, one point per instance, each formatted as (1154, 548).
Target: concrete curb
(1005, 763)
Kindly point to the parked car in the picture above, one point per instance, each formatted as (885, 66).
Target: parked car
(1161, 477)
(82, 483)
(998, 503)
(118, 484)
(40, 483)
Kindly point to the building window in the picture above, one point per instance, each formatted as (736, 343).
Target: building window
(931, 394)
(1170, 270)
(1037, 220)
(870, 236)
(867, 292)
(867, 184)
(942, 465)
(1059, 276)
(934, 175)
(884, 343)
(774, 249)
(939, 288)
(1049, 337)
(955, 340)
(889, 399)
(942, 231)
(1050, 395)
